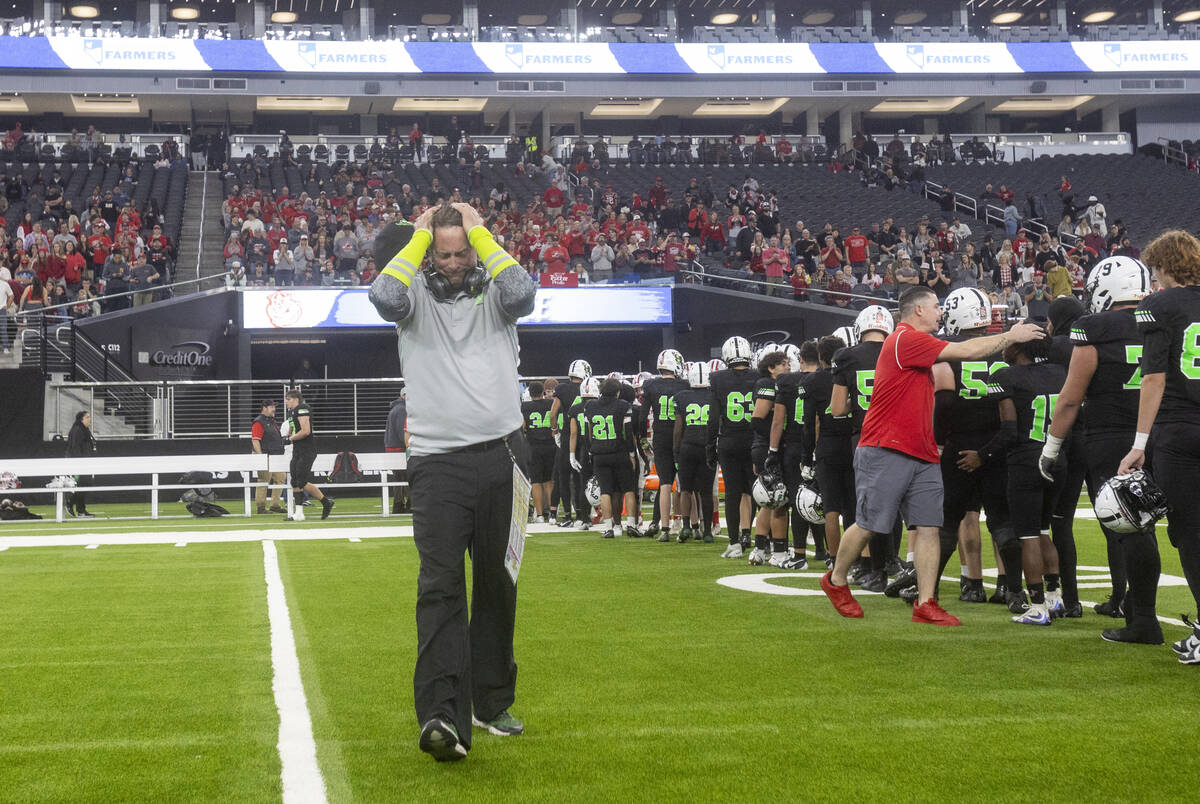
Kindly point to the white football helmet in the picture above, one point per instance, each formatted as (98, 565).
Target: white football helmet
(715, 365)
(809, 506)
(966, 309)
(736, 350)
(640, 378)
(525, 397)
(1130, 503)
(670, 360)
(846, 334)
(769, 496)
(793, 353)
(1115, 280)
(590, 388)
(698, 375)
(592, 491)
(579, 370)
(875, 318)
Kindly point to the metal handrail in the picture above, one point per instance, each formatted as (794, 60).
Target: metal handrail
(702, 275)
(203, 209)
(154, 289)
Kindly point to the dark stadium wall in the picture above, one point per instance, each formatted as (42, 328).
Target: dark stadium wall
(22, 400)
(705, 317)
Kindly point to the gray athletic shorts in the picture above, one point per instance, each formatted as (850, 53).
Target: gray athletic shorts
(889, 483)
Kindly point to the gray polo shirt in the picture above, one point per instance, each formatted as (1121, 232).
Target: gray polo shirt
(458, 358)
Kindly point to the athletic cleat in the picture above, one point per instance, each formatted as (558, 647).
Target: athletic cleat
(502, 725)
(326, 506)
(963, 583)
(874, 582)
(779, 560)
(1187, 645)
(1073, 611)
(1191, 657)
(734, 550)
(909, 595)
(563, 523)
(746, 544)
(893, 567)
(822, 556)
(632, 532)
(1018, 602)
(1055, 605)
(795, 563)
(586, 526)
(1000, 596)
(841, 598)
(931, 613)
(858, 569)
(973, 594)
(907, 579)
(708, 538)
(758, 557)
(830, 561)
(663, 536)
(1144, 634)
(1036, 614)
(652, 531)
(440, 740)
(685, 535)
(608, 534)
(1110, 608)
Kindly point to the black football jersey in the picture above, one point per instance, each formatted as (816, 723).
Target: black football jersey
(694, 406)
(974, 409)
(658, 395)
(835, 436)
(799, 417)
(566, 393)
(764, 389)
(294, 416)
(1112, 394)
(1060, 348)
(733, 403)
(607, 422)
(1169, 322)
(576, 412)
(854, 367)
(1034, 389)
(537, 420)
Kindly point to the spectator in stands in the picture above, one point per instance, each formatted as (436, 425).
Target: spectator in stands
(1127, 249)
(856, 246)
(712, 235)
(1058, 279)
(940, 277)
(143, 277)
(554, 200)
(947, 203)
(346, 250)
(807, 251)
(554, 255)
(870, 277)
(1012, 219)
(906, 275)
(1005, 195)
(8, 307)
(235, 275)
(622, 262)
(258, 253)
(839, 290)
(775, 264)
(831, 257)
(1037, 296)
(602, 258)
(1094, 241)
(1036, 207)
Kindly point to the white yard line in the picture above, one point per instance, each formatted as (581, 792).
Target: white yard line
(302, 781)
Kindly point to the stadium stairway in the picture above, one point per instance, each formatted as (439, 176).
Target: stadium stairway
(62, 405)
(211, 262)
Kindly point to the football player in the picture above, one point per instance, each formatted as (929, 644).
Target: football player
(966, 423)
(772, 362)
(853, 379)
(729, 438)
(1169, 400)
(1027, 389)
(564, 394)
(834, 451)
(692, 410)
(1104, 370)
(536, 424)
(658, 395)
(581, 457)
(791, 448)
(609, 435)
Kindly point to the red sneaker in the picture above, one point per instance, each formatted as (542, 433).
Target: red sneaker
(931, 613)
(840, 597)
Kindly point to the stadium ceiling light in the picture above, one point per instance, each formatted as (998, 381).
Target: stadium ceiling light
(1043, 103)
(531, 19)
(642, 107)
(85, 12)
(1006, 17)
(284, 17)
(820, 17)
(185, 13)
(1099, 16)
(1188, 16)
(626, 18)
(910, 17)
(301, 103)
(439, 104)
(911, 105)
(715, 107)
(725, 18)
(435, 19)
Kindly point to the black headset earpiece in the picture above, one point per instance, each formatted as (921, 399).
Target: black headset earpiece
(473, 284)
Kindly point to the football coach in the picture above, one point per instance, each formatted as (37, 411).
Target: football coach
(457, 326)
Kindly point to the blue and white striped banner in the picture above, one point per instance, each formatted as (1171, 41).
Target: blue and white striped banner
(559, 59)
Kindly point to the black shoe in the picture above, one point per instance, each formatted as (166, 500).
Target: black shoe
(652, 531)
(326, 506)
(893, 567)
(1073, 610)
(1000, 596)
(858, 569)
(1110, 608)
(1143, 633)
(440, 740)
(81, 512)
(71, 510)
(1017, 602)
(608, 534)
(907, 579)
(909, 594)
(874, 582)
(973, 593)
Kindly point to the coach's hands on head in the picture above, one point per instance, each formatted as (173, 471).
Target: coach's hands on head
(423, 220)
(470, 215)
(1023, 333)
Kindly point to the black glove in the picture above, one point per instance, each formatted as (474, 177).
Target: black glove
(710, 456)
(772, 465)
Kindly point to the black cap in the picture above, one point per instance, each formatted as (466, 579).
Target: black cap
(268, 403)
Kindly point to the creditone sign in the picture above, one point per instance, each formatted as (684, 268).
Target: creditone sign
(332, 308)
(593, 58)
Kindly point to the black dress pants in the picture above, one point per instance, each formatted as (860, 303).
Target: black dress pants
(462, 503)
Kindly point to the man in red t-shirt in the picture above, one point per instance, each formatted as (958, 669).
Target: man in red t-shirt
(896, 467)
(555, 256)
(856, 251)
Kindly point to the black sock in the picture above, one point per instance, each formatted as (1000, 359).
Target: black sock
(1063, 536)
(1037, 593)
(745, 535)
(1010, 554)
(779, 545)
(1001, 581)
(1144, 566)
(1051, 582)
(687, 521)
(760, 541)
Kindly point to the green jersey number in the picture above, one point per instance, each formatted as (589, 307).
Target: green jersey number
(973, 377)
(1189, 360)
(603, 428)
(1043, 412)
(697, 415)
(666, 408)
(866, 385)
(798, 413)
(739, 406)
(1133, 355)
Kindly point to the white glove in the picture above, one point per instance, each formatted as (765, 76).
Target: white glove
(575, 464)
(557, 439)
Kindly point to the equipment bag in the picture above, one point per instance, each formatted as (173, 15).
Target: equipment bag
(203, 509)
(345, 468)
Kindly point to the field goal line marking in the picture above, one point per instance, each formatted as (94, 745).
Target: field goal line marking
(300, 773)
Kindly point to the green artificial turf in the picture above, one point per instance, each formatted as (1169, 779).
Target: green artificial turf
(143, 674)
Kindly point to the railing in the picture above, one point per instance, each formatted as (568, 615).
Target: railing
(203, 208)
(962, 201)
(732, 280)
(1175, 155)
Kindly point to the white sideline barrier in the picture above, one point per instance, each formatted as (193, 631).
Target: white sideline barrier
(247, 465)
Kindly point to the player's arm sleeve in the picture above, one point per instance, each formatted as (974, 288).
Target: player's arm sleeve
(916, 349)
(517, 290)
(943, 402)
(1000, 388)
(714, 421)
(390, 292)
(1156, 352)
